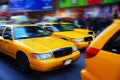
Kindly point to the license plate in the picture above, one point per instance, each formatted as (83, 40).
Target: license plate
(68, 61)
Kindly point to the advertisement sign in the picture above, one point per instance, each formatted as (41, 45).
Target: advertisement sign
(108, 1)
(92, 2)
(30, 5)
(71, 3)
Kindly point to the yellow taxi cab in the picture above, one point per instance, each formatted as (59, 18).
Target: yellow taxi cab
(103, 55)
(85, 31)
(66, 32)
(31, 47)
(67, 24)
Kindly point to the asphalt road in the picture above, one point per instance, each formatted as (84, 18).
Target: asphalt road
(10, 71)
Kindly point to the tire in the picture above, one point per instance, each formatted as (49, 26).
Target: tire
(22, 62)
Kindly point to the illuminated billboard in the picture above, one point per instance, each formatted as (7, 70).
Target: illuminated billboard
(109, 1)
(92, 2)
(30, 5)
(72, 3)
(79, 3)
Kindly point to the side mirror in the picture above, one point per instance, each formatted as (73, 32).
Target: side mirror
(7, 37)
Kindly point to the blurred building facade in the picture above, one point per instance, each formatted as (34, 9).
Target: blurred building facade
(72, 9)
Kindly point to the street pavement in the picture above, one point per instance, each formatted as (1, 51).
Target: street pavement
(10, 71)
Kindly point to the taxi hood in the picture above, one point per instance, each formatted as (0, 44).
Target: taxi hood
(45, 43)
(71, 34)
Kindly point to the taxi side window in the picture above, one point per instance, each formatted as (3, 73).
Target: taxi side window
(113, 45)
(8, 32)
(1, 30)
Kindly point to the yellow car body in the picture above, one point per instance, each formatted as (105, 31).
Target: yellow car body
(79, 39)
(103, 55)
(82, 40)
(85, 31)
(40, 51)
(50, 24)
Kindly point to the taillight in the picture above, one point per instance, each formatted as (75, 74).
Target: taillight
(91, 52)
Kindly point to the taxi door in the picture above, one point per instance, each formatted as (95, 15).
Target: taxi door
(7, 42)
(2, 28)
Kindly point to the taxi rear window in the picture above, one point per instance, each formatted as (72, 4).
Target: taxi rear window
(113, 45)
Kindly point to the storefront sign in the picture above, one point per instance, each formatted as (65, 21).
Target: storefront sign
(71, 3)
(30, 5)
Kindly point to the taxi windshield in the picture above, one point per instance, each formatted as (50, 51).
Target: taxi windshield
(29, 32)
(63, 27)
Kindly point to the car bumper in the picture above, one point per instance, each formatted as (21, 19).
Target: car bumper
(86, 75)
(82, 45)
(50, 64)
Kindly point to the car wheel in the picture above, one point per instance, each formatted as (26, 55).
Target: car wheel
(22, 62)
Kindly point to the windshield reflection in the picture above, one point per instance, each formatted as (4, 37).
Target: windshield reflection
(29, 32)
(63, 27)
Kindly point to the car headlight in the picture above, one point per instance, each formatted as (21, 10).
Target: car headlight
(78, 40)
(42, 56)
(75, 48)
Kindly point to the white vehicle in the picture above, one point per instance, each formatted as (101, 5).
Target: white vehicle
(46, 26)
(19, 19)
